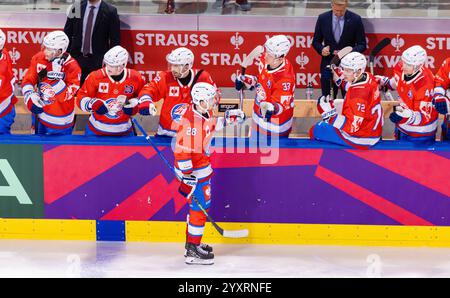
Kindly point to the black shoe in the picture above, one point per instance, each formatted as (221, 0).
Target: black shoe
(220, 4)
(170, 8)
(243, 5)
(196, 255)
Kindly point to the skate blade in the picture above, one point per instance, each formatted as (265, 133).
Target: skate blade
(197, 261)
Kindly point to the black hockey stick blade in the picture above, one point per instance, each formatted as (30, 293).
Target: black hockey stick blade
(381, 45)
(337, 58)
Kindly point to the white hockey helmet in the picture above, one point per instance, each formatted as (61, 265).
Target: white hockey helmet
(354, 61)
(415, 56)
(278, 46)
(181, 56)
(116, 56)
(204, 92)
(2, 39)
(56, 40)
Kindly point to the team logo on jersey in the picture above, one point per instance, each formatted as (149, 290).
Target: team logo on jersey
(114, 108)
(357, 121)
(178, 111)
(410, 95)
(174, 91)
(237, 40)
(302, 60)
(129, 89)
(426, 108)
(103, 88)
(47, 93)
(269, 84)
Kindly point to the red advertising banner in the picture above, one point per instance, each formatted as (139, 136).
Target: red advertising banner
(220, 52)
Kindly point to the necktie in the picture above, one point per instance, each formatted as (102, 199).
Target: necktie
(88, 32)
(337, 30)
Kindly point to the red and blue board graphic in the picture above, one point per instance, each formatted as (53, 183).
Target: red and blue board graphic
(308, 184)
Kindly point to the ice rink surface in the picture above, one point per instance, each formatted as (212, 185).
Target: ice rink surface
(32, 258)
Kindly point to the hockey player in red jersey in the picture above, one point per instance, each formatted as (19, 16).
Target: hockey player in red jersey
(174, 87)
(50, 84)
(273, 109)
(441, 101)
(360, 123)
(415, 118)
(7, 80)
(111, 94)
(195, 129)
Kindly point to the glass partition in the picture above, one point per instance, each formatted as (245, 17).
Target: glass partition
(365, 8)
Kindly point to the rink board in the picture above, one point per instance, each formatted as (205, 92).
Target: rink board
(304, 192)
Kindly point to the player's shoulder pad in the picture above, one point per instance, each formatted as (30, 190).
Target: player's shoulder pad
(426, 80)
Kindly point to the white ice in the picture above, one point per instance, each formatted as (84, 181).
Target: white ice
(31, 258)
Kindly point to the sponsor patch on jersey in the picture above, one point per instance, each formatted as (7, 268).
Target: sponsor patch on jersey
(178, 111)
(103, 88)
(174, 91)
(269, 84)
(128, 89)
(56, 75)
(410, 95)
(40, 67)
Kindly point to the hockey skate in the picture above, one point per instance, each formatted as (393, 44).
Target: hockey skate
(197, 255)
(204, 246)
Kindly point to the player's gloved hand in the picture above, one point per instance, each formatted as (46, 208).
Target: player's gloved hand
(235, 116)
(267, 110)
(326, 107)
(131, 108)
(441, 104)
(338, 75)
(98, 106)
(147, 107)
(188, 185)
(401, 115)
(384, 83)
(247, 81)
(34, 103)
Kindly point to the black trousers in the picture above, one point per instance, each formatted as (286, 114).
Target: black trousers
(88, 64)
(325, 84)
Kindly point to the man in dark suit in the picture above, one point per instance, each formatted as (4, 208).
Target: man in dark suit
(93, 28)
(337, 29)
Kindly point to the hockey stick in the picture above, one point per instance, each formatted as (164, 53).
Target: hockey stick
(248, 60)
(225, 233)
(335, 61)
(377, 49)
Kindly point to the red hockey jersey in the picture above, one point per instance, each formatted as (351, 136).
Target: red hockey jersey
(361, 120)
(7, 80)
(416, 94)
(279, 87)
(56, 89)
(442, 77)
(165, 86)
(193, 138)
(101, 86)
